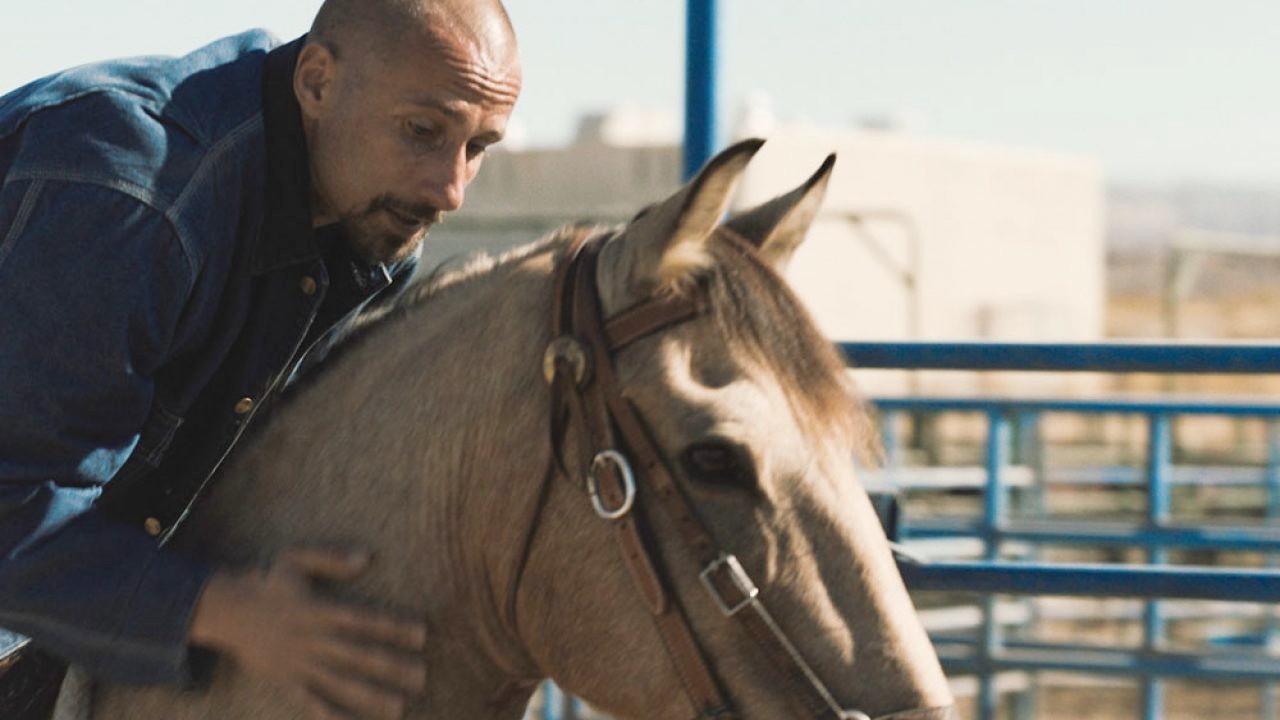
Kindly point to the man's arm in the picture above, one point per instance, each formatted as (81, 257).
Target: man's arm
(92, 284)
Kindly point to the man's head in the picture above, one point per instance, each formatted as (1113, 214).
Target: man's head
(400, 99)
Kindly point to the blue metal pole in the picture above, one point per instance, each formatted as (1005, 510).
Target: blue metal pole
(1270, 701)
(993, 516)
(1072, 357)
(1030, 453)
(1095, 580)
(1159, 459)
(700, 85)
(550, 701)
(995, 503)
(892, 444)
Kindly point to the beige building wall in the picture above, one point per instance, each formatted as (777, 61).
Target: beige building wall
(1008, 244)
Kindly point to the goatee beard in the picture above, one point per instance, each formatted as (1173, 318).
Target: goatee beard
(376, 245)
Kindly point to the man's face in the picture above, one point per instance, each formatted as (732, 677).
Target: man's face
(395, 136)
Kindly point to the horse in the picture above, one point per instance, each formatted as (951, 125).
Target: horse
(453, 434)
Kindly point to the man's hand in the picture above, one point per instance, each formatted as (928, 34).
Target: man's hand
(341, 659)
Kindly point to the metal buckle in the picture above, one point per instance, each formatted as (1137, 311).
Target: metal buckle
(740, 579)
(628, 484)
(572, 352)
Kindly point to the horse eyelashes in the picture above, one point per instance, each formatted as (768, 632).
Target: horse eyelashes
(719, 463)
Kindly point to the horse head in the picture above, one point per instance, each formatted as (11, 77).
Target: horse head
(728, 562)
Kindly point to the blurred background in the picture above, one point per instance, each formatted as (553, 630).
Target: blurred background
(1115, 164)
(1008, 171)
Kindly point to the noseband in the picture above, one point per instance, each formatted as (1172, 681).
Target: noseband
(616, 449)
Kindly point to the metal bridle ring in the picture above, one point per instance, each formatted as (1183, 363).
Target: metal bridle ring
(628, 484)
(565, 348)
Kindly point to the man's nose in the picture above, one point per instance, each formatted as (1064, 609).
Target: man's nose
(445, 180)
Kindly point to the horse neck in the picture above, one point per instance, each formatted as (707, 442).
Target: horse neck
(425, 441)
(481, 409)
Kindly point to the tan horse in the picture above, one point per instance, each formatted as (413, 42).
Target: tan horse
(427, 439)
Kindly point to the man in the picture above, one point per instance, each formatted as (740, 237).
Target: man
(175, 235)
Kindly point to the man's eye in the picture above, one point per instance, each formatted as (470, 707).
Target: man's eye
(475, 150)
(419, 131)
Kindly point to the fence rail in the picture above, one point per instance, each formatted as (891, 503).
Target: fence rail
(1149, 357)
(988, 651)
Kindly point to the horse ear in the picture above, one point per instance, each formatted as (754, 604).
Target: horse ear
(778, 226)
(665, 245)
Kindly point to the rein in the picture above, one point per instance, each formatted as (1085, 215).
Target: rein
(615, 449)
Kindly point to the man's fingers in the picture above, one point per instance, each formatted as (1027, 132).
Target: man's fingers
(340, 565)
(403, 672)
(356, 695)
(377, 628)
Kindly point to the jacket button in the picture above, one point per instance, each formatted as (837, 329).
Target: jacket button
(152, 526)
(308, 286)
(244, 406)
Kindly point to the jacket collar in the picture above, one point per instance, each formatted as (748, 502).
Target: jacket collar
(287, 237)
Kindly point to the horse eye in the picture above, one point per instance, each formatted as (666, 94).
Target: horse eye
(719, 463)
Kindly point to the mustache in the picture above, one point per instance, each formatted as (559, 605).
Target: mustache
(427, 214)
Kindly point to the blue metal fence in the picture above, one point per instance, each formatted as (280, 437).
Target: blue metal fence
(988, 652)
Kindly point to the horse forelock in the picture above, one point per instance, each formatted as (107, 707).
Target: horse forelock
(759, 315)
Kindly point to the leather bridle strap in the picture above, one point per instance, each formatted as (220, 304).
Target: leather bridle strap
(606, 484)
(579, 365)
(723, 576)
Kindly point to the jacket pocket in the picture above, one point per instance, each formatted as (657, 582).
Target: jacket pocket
(156, 436)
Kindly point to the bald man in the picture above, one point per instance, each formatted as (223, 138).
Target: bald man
(177, 235)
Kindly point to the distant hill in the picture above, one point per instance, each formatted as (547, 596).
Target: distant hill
(1146, 217)
(1226, 295)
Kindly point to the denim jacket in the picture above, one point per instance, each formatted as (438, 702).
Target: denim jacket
(159, 280)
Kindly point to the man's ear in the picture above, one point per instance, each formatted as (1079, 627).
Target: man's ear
(778, 226)
(313, 78)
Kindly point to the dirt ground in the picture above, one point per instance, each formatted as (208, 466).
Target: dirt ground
(1182, 701)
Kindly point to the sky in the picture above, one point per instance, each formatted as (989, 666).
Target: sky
(1156, 91)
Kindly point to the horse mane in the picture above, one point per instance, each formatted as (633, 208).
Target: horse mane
(754, 309)
(759, 314)
(421, 289)
(444, 278)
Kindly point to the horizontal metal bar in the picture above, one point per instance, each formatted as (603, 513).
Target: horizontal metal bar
(961, 477)
(1070, 357)
(1092, 580)
(1198, 475)
(1145, 406)
(1077, 532)
(960, 658)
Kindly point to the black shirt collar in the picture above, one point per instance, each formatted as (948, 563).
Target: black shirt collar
(287, 236)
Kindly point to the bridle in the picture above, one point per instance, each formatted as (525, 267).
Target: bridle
(616, 447)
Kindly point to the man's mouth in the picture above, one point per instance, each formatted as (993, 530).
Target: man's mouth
(409, 221)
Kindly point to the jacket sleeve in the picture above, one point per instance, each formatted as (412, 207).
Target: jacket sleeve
(92, 286)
